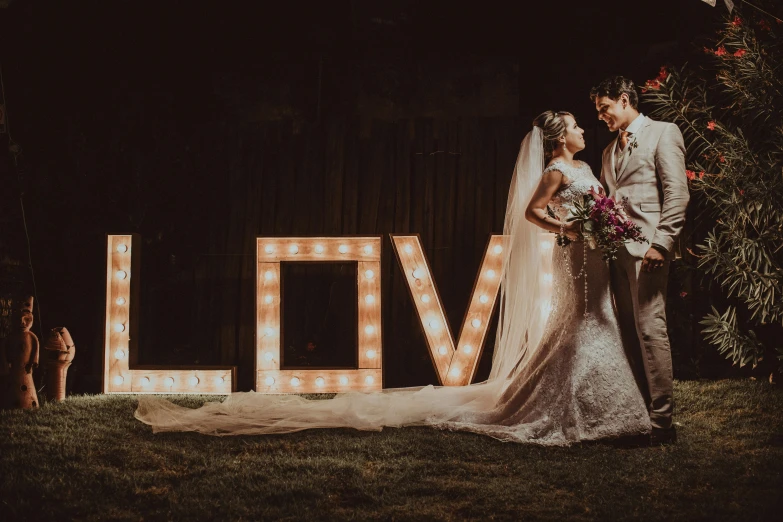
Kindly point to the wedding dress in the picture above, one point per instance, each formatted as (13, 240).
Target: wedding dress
(556, 378)
(578, 384)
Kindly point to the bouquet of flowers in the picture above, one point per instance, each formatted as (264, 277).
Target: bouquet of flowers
(605, 224)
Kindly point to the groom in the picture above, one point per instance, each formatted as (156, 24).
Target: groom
(646, 165)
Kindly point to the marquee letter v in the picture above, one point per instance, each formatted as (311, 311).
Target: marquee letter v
(455, 362)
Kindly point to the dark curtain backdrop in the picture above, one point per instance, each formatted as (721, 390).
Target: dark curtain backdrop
(202, 125)
(446, 180)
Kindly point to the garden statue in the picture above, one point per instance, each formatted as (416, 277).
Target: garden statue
(20, 357)
(57, 355)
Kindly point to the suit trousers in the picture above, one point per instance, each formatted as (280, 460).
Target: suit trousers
(640, 298)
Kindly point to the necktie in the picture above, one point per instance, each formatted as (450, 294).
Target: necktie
(623, 139)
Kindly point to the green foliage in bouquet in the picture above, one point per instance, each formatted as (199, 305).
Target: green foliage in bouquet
(730, 110)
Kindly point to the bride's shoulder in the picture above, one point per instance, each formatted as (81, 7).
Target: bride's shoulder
(557, 165)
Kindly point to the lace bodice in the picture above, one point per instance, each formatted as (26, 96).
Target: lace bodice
(580, 179)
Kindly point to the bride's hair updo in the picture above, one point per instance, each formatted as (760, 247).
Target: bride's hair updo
(553, 126)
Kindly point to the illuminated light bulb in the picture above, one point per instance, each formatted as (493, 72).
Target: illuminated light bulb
(369, 274)
(121, 274)
(319, 249)
(408, 249)
(269, 249)
(369, 329)
(269, 275)
(344, 380)
(193, 381)
(122, 248)
(219, 380)
(268, 356)
(443, 350)
(295, 381)
(490, 274)
(467, 348)
(547, 278)
(484, 298)
(119, 354)
(293, 249)
(371, 354)
(425, 298)
(268, 299)
(269, 331)
(269, 381)
(455, 372)
(319, 381)
(369, 380)
(119, 327)
(343, 249)
(418, 273)
(368, 249)
(498, 249)
(144, 381)
(434, 324)
(169, 382)
(120, 301)
(369, 299)
(118, 380)
(546, 245)
(475, 323)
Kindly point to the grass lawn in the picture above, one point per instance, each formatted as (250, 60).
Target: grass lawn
(88, 459)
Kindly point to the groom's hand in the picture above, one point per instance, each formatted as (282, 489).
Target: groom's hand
(653, 260)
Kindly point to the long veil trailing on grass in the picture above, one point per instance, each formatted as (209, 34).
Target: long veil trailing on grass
(468, 408)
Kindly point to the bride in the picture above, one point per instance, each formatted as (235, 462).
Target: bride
(555, 379)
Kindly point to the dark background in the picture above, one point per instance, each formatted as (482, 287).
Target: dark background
(201, 125)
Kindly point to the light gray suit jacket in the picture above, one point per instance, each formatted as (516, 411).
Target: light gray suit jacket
(652, 176)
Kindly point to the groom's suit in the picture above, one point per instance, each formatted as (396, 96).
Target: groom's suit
(650, 173)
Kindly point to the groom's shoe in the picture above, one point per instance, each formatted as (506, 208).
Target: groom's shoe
(661, 436)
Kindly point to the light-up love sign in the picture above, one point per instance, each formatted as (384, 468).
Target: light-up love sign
(454, 360)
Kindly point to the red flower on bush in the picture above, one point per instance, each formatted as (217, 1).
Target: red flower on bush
(720, 51)
(740, 53)
(763, 24)
(742, 192)
(711, 125)
(737, 21)
(701, 174)
(722, 159)
(683, 294)
(651, 84)
(690, 174)
(663, 74)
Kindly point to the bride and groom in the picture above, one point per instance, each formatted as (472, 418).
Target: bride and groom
(597, 366)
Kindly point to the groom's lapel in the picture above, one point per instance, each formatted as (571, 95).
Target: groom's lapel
(609, 166)
(628, 153)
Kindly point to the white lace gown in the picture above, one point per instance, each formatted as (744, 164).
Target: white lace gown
(575, 386)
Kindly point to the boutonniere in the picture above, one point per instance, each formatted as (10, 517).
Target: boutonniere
(632, 144)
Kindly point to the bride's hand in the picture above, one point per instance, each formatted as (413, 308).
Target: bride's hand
(573, 230)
